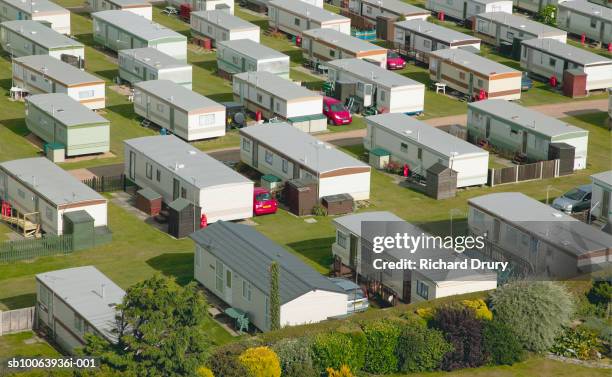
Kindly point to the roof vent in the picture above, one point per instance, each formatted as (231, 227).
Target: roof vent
(557, 215)
(192, 152)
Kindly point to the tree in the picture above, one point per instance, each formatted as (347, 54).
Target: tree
(501, 344)
(260, 362)
(274, 297)
(421, 349)
(535, 311)
(548, 15)
(160, 331)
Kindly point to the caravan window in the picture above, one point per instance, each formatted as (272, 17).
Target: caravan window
(427, 43)
(86, 94)
(246, 145)
(49, 213)
(593, 23)
(246, 290)
(449, 2)
(369, 10)
(78, 322)
(479, 83)
(269, 157)
(420, 154)
(158, 175)
(296, 21)
(462, 75)
(259, 98)
(207, 119)
(404, 147)
(149, 170)
(477, 9)
(332, 53)
(422, 289)
(510, 35)
(483, 26)
(285, 166)
(552, 62)
(341, 239)
(160, 107)
(183, 193)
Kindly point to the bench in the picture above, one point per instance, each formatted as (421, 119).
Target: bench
(240, 317)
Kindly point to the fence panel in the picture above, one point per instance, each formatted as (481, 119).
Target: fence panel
(526, 172)
(12, 251)
(548, 169)
(108, 183)
(18, 320)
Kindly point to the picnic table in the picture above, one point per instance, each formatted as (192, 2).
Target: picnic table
(170, 11)
(241, 318)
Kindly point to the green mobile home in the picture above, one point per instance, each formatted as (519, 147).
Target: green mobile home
(58, 118)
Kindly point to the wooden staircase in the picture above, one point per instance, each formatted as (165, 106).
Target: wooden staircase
(26, 222)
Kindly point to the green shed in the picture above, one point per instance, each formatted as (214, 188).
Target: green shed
(80, 225)
(270, 182)
(379, 158)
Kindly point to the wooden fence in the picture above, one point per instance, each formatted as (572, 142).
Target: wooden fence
(12, 251)
(18, 320)
(520, 173)
(108, 183)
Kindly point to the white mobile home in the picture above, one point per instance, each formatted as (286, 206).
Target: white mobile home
(540, 240)
(226, 6)
(500, 28)
(548, 57)
(388, 91)
(410, 141)
(517, 129)
(221, 26)
(393, 9)
(465, 10)
(418, 37)
(274, 96)
(288, 153)
(582, 17)
(321, 45)
(245, 55)
(58, 118)
(470, 73)
(601, 198)
(119, 30)
(139, 7)
(44, 11)
(27, 37)
(295, 16)
(534, 6)
(37, 185)
(147, 63)
(233, 262)
(45, 74)
(174, 169)
(185, 113)
(77, 301)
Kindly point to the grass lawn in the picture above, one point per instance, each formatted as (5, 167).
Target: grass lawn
(25, 344)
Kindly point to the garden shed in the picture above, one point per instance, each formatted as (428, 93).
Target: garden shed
(148, 201)
(301, 196)
(80, 225)
(441, 181)
(147, 63)
(182, 218)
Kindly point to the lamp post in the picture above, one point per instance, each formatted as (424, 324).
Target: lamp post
(548, 189)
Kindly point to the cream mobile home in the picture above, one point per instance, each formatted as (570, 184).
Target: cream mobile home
(601, 199)
(185, 113)
(288, 153)
(221, 26)
(387, 91)
(174, 169)
(147, 63)
(245, 55)
(120, 30)
(465, 10)
(139, 7)
(295, 16)
(45, 11)
(410, 141)
(393, 9)
(45, 74)
(499, 28)
(321, 45)
(226, 6)
(582, 17)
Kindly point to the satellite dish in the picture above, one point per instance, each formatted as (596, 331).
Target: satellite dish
(239, 118)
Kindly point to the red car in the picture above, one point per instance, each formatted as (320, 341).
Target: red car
(394, 61)
(335, 112)
(263, 202)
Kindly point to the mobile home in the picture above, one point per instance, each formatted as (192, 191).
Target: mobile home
(410, 141)
(119, 30)
(233, 262)
(288, 153)
(500, 28)
(418, 37)
(375, 86)
(44, 74)
(174, 169)
(221, 26)
(185, 113)
(226, 6)
(27, 37)
(139, 7)
(44, 11)
(245, 55)
(548, 57)
(465, 10)
(582, 17)
(58, 118)
(517, 129)
(274, 96)
(295, 16)
(321, 45)
(38, 186)
(393, 9)
(147, 63)
(601, 198)
(534, 6)
(469, 73)
(77, 301)
(537, 239)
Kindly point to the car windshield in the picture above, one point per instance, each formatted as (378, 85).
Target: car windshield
(355, 294)
(337, 106)
(392, 54)
(263, 196)
(575, 194)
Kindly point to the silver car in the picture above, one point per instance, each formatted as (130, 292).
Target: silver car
(357, 300)
(575, 200)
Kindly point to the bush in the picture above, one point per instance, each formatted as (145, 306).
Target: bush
(382, 337)
(295, 358)
(501, 344)
(420, 349)
(223, 362)
(426, 313)
(578, 343)
(601, 327)
(260, 362)
(332, 350)
(319, 210)
(535, 311)
(480, 308)
(463, 331)
(344, 371)
(600, 295)
(204, 372)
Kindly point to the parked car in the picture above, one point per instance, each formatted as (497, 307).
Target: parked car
(263, 202)
(526, 82)
(357, 300)
(336, 112)
(394, 61)
(575, 200)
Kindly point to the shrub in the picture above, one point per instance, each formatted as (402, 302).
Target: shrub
(579, 343)
(319, 210)
(600, 295)
(294, 356)
(204, 372)
(344, 371)
(260, 362)
(463, 331)
(382, 337)
(421, 349)
(601, 327)
(501, 344)
(535, 311)
(426, 313)
(223, 362)
(480, 308)
(332, 350)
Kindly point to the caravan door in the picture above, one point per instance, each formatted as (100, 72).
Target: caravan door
(364, 91)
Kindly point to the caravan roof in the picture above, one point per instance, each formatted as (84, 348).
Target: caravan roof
(253, 49)
(153, 58)
(41, 34)
(137, 25)
(566, 51)
(589, 9)
(436, 32)
(40, 6)
(371, 72)
(276, 85)
(302, 8)
(225, 20)
(57, 70)
(398, 7)
(65, 109)
(522, 23)
(342, 40)
(178, 95)
(474, 62)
